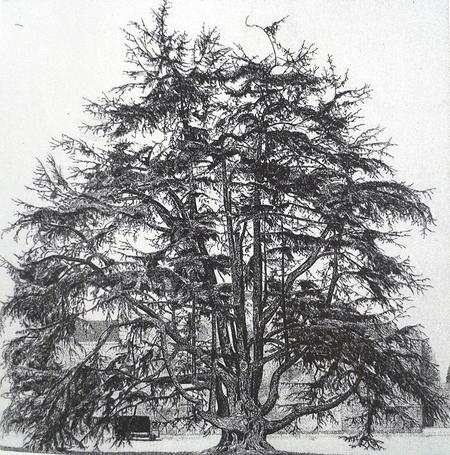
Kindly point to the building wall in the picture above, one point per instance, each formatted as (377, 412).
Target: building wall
(342, 414)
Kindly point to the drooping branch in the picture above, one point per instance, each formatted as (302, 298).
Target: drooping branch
(276, 425)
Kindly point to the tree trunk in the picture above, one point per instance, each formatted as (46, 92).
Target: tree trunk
(252, 442)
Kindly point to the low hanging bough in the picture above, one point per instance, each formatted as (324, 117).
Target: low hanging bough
(234, 227)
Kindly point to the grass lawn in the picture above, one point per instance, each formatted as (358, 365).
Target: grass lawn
(15, 449)
(427, 443)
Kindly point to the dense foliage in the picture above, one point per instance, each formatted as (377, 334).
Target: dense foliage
(234, 217)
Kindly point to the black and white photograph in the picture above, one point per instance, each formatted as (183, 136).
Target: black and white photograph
(225, 227)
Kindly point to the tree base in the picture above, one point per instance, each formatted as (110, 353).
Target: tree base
(238, 444)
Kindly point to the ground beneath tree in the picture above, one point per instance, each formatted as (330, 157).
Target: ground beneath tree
(431, 442)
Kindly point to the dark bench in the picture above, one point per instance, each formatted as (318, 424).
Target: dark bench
(135, 427)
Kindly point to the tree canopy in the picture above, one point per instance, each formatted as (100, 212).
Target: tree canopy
(235, 216)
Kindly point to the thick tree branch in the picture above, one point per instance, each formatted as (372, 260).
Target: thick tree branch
(275, 425)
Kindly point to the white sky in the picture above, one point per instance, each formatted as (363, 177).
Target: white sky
(54, 53)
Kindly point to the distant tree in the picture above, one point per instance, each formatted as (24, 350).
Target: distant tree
(235, 193)
(432, 377)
